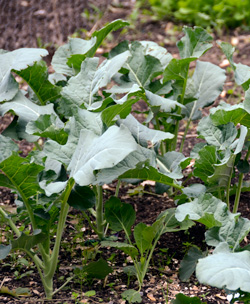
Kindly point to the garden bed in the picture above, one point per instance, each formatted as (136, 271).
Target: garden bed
(81, 245)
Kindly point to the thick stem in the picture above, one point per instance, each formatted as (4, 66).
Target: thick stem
(51, 264)
(229, 185)
(99, 213)
(174, 143)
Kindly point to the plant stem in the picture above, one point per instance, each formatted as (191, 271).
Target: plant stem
(229, 185)
(99, 213)
(64, 284)
(51, 263)
(145, 268)
(162, 146)
(174, 143)
(184, 135)
(10, 222)
(38, 147)
(238, 191)
(117, 188)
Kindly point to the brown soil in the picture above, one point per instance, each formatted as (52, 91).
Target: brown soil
(22, 22)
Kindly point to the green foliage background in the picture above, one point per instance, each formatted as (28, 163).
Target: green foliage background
(205, 13)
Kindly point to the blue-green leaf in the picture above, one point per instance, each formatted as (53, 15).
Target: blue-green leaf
(195, 42)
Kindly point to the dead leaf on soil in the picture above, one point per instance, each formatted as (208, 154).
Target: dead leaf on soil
(18, 292)
(234, 41)
(224, 63)
(151, 297)
(221, 297)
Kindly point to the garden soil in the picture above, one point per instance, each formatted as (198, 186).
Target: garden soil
(28, 23)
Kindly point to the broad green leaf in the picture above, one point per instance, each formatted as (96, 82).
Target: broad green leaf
(49, 126)
(231, 232)
(242, 75)
(224, 269)
(243, 166)
(208, 80)
(195, 42)
(172, 163)
(188, 264)
(239, 143)
(21, 175)
(219, 136)
(132, 296)
(214, 168)
(141, 155)
(82, 119)
(222, 171)
(79, 88)
(206, 209)
(8, 87)
(246, 102)
(103, 33)
(159, 52)
(194, 190)
(99, 269)
(90, 293)
(75, 60)
(37, 78)
(165, 104)
(130, 270)
(4, 251)
(53, 187)
(242, 71)
(25, 109)
(204, 165)
(177, 69)
(20, 59)
(149, 173)
(99, 152)
(118, 111)
(74, 46)
(226, 113)
(82, 198)
(143, 134)
(119, 215)
(170, 222)
(182, 299)
(142, 68)
(17, 292)
(127, 248)
(61, 153)
(16, 60)
(26, 242)
(119, 48)
(82, 88)
(131, 90)
(7, 146)
(228, 50)
(144, 236)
